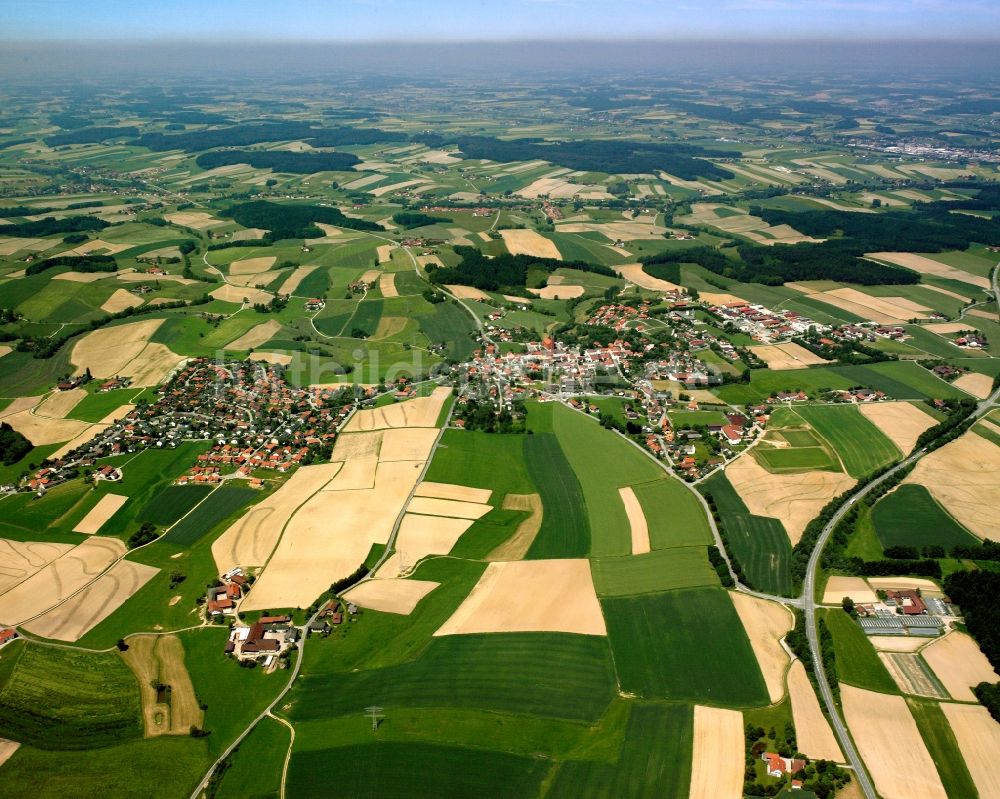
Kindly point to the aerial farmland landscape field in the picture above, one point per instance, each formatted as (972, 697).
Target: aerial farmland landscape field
(499, 400)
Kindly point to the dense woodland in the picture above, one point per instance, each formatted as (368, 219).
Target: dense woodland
(917, 230)
(503, 271)
(280, 160)
(51, 225)
(78, 263)
(293, 221)
(597, 155)
(772, 266)
(91, 135)
(415, 219)
(244, 135)
(13, 446)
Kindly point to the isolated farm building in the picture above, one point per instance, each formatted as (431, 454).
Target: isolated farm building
(778, 766)
(908, 601)
(7, 634)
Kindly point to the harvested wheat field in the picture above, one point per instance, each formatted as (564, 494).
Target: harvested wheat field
(448, 507)
(467, 292)
(884, 310)
(106, 507)
(717, 755)
(890, 743)
(991, 315)
(294, 279)
(419, 412)
(387, 285)
(60, 403)
(121, 300)
(282, 358)
(812, 731)
(160, 658)
(199, 220)
(385, 253)
(928, 266)
(409, 444)
(958, 663)
(923, 584)
(252, 266)
(110, 350)
(255, 336)
(766, 624)
(837, 587)
(979, 386)
(420, 536)
(792, 499)
(56, 581)
(21, 559)
(82, 277)
(390, 596)
(19, 405)
(250, 540)
(256, 280)
(330, 535)
(714, 298)
(636, 520)
(897, 643)
(961, 475)
(456, 492)
(355, 474)
(901, 422)
(786, 356)
(153, 365)
(910, 675)
(7, 749)
(517, 546)
(558, 292)
(240, 294)
(357, 445)
(978, 736)
(530, 242)
(531, 596)
(634, 273)
(131, 276)
(83, 611)
(40, 430)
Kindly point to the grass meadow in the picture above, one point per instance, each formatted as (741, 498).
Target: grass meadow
(685, 645)
(565, 530)
(654, 760)
(942, 746)
(910, 516)
(862, 447)
(759, 543)
(857, 661)
(652, 572)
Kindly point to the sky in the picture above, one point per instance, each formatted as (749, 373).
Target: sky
(464, 20)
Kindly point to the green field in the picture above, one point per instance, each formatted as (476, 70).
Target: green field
(451, 325)
(794, 459)
(565, 531)
(602, 461)
(413, 770)
(66, 699)
(759, 543)
(942, 746)
(224, 502)
(654, 762)
(910, 516)
(674, 516)
(256, 765)
(862, 447)
(681, 419)
(659, 570)
(685, 645)
(857, 661)
(173, 502)
(898, 379)
(543, 674)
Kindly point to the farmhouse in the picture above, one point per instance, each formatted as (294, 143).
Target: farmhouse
(7, 634)
(778, 766)
(908, 602)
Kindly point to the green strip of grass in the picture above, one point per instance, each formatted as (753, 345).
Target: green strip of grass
(857, 661)
(660, 570)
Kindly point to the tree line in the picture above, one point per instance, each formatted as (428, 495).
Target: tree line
(292, 220)
(503, 271)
